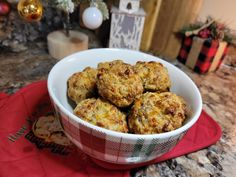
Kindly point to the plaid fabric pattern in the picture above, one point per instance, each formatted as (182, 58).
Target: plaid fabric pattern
(223, 56)
(205, 57)
(185, 49)
(114, 149)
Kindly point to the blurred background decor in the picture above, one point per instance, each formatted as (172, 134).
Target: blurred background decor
(169, 17)
(129, 6)
(127, 24)
(5, 8)
(18, 34)
(30, 10)
(63, 43)
(205, 45)
(158, 35)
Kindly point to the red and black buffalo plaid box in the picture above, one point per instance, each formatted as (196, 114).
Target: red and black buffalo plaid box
(202, 55)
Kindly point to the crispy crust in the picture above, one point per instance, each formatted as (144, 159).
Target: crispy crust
(109, 64)
(118, 83)
(82, 85)
(101, 113)
(157, 113)
(154, 76)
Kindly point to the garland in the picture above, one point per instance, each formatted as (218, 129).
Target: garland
(211, 29)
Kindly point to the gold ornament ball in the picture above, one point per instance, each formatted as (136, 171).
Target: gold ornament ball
(30, 10)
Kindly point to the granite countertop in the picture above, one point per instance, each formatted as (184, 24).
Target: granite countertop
(218, 91)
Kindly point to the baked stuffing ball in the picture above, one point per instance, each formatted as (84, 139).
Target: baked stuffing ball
(118, 83)
(102, 113)
(154, 76)
(109, 64)
(157, 113)
(82, 85)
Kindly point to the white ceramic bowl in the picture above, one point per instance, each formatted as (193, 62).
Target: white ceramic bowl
(107, 145)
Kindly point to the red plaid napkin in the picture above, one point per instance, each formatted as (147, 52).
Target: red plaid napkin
(20, 157)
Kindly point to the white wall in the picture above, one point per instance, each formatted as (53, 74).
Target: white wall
(223, 10)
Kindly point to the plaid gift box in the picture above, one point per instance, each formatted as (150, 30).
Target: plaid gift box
(202, 55)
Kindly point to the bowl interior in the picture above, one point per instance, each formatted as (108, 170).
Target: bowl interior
(57, 80)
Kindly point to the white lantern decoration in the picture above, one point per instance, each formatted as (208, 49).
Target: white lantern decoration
(129, 6)
(126, 29)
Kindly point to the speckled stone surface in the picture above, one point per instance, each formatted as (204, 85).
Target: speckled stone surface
(218, 90)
